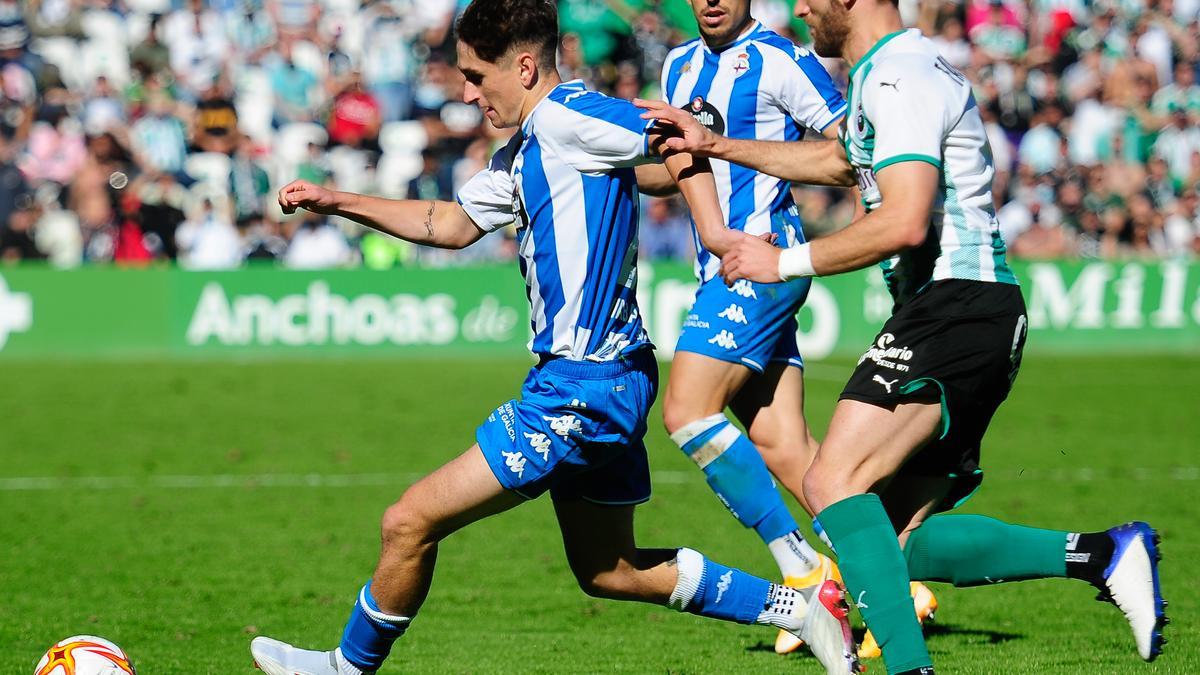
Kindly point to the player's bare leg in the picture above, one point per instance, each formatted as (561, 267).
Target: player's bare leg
(604, 556)
(770, 405)
(460, 492)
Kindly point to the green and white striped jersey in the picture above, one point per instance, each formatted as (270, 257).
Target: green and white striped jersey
(907, 104)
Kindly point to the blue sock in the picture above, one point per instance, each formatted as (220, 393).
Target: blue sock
(370, 633)
(737, 473)
(716, 591)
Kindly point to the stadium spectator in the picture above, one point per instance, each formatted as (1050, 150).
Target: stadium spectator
(1091, 112)
(664, 233)
(208, 241)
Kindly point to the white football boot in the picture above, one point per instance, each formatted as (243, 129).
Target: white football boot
(279, 658)
(826, 630)
(1131, 583)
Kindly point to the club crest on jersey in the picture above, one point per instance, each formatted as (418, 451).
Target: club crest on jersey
(741, 64)
(860, 121)
(685, 68)
(707, 115)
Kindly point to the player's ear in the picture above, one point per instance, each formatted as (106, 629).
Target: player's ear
(527, 69)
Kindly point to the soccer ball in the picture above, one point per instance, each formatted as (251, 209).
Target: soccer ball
(85, 655)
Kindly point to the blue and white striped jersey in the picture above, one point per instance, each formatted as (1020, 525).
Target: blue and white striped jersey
(761, 87)
(567, 181)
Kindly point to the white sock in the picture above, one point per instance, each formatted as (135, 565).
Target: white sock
(786, 608)
(345, 667)
(794, 555)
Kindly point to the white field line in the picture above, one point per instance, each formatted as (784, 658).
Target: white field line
(349, 480)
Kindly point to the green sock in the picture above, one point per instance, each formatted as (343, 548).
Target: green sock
(877, 578)
(974, 550)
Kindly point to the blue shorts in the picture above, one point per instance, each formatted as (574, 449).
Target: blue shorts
(748, 323)
(576, 431)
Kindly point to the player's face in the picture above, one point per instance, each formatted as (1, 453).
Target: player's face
(829, 21)
(720, 21)
(495, 87)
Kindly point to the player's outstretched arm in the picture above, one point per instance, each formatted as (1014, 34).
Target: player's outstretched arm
(810, 162)
(901, 222)
(433, 223)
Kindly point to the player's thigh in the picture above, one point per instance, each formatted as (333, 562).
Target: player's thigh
(771, 407)
(866, 446)
(700, 386)
(458, 493)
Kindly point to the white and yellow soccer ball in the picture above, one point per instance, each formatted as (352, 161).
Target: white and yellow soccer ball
(85, 655)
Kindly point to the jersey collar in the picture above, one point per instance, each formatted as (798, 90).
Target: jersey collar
(871, 52)
(750, 31)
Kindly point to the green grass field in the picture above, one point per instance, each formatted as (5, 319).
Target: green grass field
(178, 518)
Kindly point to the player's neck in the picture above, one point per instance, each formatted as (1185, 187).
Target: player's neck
(540, 91)
(867, 30)
(717, 44)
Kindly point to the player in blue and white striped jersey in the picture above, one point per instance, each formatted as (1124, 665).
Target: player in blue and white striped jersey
(738, 345)
(567, 180)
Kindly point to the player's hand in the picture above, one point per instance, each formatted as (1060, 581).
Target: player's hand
(305, 195)
(752, 258)
(685, 134)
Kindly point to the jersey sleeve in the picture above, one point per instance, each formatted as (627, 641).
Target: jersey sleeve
(488, 196)
(593, 132)
(801, 85)
(911, 109)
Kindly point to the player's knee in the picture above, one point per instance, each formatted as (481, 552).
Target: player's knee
(825, 484)
(677, 415)
(402, 524)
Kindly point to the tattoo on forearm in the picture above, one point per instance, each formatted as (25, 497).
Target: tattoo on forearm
(429, 219)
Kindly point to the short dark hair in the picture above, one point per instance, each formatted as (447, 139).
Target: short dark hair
(493, 27)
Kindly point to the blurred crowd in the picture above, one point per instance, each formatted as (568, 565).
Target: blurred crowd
(138, 131)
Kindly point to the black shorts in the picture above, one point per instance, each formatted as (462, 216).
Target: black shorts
(958, 343)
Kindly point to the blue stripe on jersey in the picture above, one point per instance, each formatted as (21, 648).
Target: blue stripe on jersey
(703, 84)
(540, 207)
(740, 123)
(808, 62)
(598, 106)
(607, 248)
(674, 67)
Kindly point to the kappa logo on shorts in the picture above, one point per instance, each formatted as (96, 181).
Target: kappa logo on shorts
(724, 340)
(564, 425)
(886, 385)
(515, 461)
(734, 313)
(744, 288)
(541, 444)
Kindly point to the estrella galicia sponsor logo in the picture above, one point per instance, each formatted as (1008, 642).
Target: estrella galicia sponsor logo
(707, 115)
(694, 321)
(887, 356)
(724, 340)
(16, 312)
